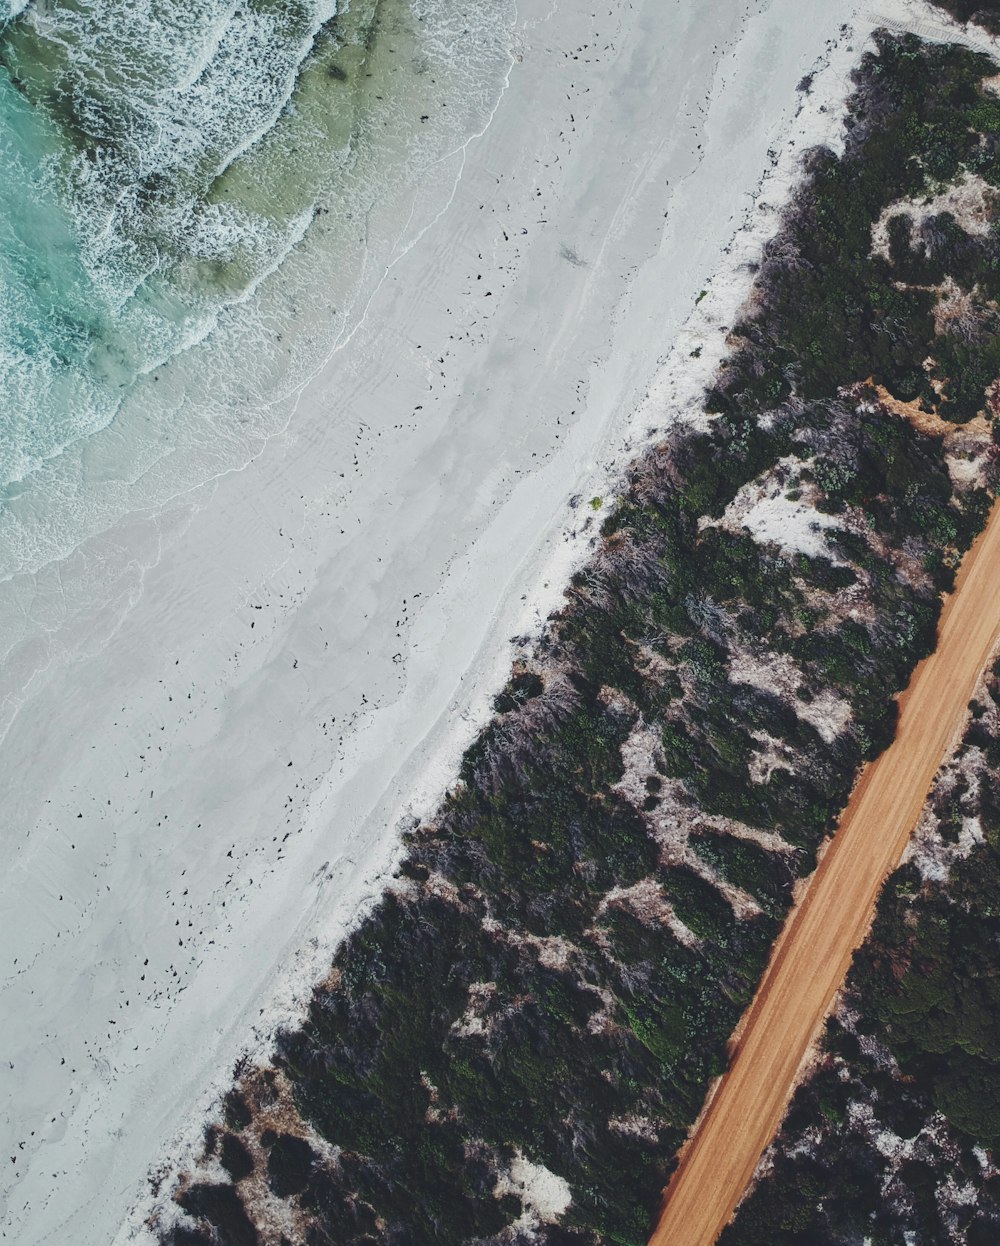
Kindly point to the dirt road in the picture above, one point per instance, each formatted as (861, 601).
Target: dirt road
(814, 951)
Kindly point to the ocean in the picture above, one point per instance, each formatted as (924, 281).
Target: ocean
(197, 201)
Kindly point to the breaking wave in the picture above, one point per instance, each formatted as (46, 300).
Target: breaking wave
(198, 198)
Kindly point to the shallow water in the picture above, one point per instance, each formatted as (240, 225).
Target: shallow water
(198, 200)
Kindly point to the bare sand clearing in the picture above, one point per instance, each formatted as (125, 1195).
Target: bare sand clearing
(930, 422)
(812, 955)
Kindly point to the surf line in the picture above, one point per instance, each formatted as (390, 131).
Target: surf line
(812, 954)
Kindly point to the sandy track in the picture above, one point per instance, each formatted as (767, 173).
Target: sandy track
(814, 951)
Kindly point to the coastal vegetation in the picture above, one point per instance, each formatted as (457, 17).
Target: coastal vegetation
(513, 1043)
(893, 1136)
(985, 13)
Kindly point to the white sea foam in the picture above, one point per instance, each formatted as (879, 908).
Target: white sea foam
(218, 150)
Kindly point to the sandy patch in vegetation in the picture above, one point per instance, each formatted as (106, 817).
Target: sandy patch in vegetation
(764, 508)
(776, 672)
(972, 202)
(646, 901)
(544, 1195)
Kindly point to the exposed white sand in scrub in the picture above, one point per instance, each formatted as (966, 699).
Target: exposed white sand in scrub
(765, 509)
(970, 202)
(204, 786)
(543, 1195)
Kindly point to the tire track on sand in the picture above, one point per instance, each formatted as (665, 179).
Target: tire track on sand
(814, 950)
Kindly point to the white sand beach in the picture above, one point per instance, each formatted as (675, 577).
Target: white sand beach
(207, 782)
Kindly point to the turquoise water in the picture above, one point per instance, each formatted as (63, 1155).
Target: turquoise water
(47, 301)
(196, 200)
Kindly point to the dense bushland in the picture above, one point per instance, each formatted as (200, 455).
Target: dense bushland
(893, 1139)
(985, 13)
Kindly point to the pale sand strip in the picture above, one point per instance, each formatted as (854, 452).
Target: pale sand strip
(814, 951)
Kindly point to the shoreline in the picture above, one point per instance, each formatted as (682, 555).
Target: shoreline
(678, 382)
(448, 721)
